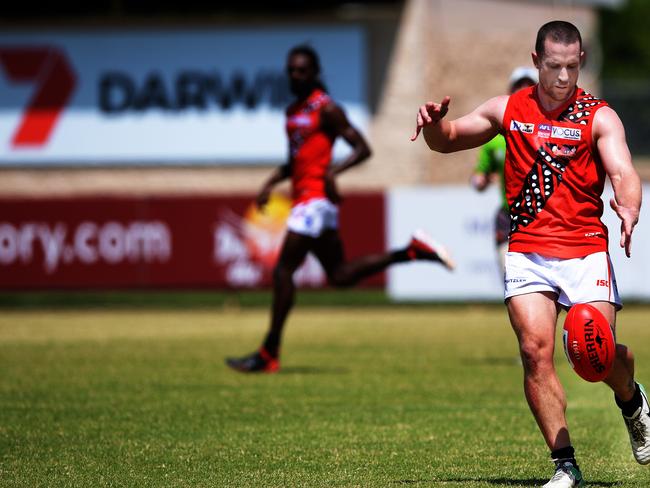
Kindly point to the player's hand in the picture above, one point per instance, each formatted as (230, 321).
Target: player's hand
(331, 190)
(430, 114)
(480, 181)
(629, 218)
(263, 198)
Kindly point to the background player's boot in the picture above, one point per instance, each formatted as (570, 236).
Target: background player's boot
(424, 247)
(257, 362)
(566, 476)
(638, 427)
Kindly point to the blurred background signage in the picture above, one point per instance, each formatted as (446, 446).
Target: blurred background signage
(163, 96)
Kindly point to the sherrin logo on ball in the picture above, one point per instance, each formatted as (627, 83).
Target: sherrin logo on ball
(589, 342)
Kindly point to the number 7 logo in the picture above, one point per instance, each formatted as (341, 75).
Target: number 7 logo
(49, 70)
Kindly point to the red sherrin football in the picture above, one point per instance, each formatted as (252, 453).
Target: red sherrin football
(589, 343)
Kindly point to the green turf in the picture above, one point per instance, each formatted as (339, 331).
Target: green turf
(174, 299)
(368, 397)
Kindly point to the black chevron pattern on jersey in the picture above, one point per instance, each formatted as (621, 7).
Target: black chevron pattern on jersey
(579, 111)
(544, 178)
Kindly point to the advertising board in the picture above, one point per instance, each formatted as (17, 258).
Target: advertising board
(165, 242)
(163, 96)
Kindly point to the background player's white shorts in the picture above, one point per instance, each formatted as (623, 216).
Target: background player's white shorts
(579, 280)
(312, 217)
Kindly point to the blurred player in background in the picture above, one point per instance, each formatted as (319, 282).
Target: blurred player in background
(314, 121)
(489, 167)
(561, 143)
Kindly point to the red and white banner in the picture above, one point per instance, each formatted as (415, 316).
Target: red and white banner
(165, 242)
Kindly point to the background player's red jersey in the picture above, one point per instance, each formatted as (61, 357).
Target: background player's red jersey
(310, 147)
(554, 176)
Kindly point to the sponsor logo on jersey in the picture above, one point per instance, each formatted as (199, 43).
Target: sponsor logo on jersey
(544, 130)
(525, 127)
(563, 150)
(300, 120)
(566, 133)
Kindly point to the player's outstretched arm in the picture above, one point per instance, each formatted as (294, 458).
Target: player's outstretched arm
(471, 130)
(609, 135)
(430, 115)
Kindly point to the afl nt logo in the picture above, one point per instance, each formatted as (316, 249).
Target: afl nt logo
(525, 127)
(49, 70)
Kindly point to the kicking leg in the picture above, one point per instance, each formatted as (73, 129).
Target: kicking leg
(621, 377)
(628, 394)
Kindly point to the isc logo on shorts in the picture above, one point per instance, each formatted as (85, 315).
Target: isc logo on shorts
(525, 127)
(566, 133)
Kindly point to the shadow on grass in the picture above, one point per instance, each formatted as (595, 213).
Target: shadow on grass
(498, 482)
(313, 370)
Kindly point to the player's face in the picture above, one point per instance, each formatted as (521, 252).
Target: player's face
(559, 68)
(302, 74)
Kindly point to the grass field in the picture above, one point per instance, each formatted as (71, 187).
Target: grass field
(368, 397)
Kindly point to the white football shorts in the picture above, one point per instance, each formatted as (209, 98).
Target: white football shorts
(312, 217)
(578, 280)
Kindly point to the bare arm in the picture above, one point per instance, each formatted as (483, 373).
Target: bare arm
(336, 123)
(609, 136)
(281, 173)
(466, 132)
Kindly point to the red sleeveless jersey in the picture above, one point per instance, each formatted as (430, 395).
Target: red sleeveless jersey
(554, 177)
(310, 148)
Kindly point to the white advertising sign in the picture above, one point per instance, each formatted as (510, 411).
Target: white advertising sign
(462, 219)
(163, 96)
(632, 274)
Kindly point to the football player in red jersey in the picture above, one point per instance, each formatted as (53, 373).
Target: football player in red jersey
(561, 143)
(314, 122)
